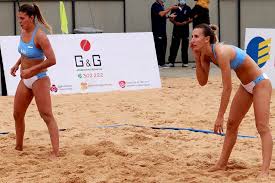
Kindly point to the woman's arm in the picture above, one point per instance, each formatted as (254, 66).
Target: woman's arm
(45, 45)
(202, 68)
(15, 67)
(18, 63)
(224, 63)
(223, 57)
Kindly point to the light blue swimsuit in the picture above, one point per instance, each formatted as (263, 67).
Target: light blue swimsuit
(237, 62)
(30, 51)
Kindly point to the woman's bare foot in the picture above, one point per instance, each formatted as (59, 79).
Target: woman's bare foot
(263, 176)
(18, 148)
(53, 155)
(217, 168)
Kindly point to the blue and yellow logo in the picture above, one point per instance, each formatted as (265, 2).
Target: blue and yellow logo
(259, 50)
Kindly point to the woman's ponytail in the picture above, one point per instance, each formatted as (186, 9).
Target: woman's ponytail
(41, 19)
(215, 29)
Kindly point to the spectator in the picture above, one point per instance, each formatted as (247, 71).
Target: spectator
(158, 18)
(200, 13)
(180, 33)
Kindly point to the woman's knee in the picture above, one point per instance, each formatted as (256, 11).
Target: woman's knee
(18, 115)
(46, 116)
(262, 127)
(232, 125)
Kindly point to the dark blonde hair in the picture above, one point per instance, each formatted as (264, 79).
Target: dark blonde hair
(33, 10)
(209, 30)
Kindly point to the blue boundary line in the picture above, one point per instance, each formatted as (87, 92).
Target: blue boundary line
(112, 126)
(159, 128)
(173, 128)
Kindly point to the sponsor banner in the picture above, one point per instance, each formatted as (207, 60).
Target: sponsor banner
(260, 45)
(93, 62)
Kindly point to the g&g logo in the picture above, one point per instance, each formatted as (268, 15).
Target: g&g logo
(85, 45)
(81, 62)
(259, 50)
(93, 60)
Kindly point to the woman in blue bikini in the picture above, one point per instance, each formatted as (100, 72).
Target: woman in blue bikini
(36, 56)
(255, 88)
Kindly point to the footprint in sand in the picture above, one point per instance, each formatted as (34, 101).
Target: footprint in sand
(24, 154)
(237, 165)
(93, 152)
(66, 172)
(79, 171)
(104, 147)
(41, 148)
(33, 162)
(76, 179)
(239, 177)
(137, 139)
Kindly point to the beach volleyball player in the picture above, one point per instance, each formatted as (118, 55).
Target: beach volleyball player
(255, 88)
(36, 56)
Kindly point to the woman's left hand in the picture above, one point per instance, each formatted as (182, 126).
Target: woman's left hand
(25, 74)
(218, 127)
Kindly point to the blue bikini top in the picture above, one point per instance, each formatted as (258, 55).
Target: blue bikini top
(29, 49)
(237, 61)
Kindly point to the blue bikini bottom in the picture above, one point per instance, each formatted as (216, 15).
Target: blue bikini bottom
(249, 87)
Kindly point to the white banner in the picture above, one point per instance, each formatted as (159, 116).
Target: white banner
(260, 45)
(93, 62)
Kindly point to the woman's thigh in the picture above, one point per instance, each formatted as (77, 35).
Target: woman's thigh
(41, 92)
(261, 101)
(22, 99)
(240, 105)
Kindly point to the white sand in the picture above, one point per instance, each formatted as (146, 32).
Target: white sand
(131, 154)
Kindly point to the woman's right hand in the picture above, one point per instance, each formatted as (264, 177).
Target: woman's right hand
(196, 54)
(218, 127)
(14, 69)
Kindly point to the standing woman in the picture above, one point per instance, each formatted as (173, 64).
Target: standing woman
(255, 88)
(36, 56)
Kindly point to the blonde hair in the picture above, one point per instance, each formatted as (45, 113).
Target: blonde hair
(203, 3)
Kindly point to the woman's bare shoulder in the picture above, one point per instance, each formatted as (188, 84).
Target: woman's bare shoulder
(224, 49)
(40, 33)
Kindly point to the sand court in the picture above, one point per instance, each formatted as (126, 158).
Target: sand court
(127, 153)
